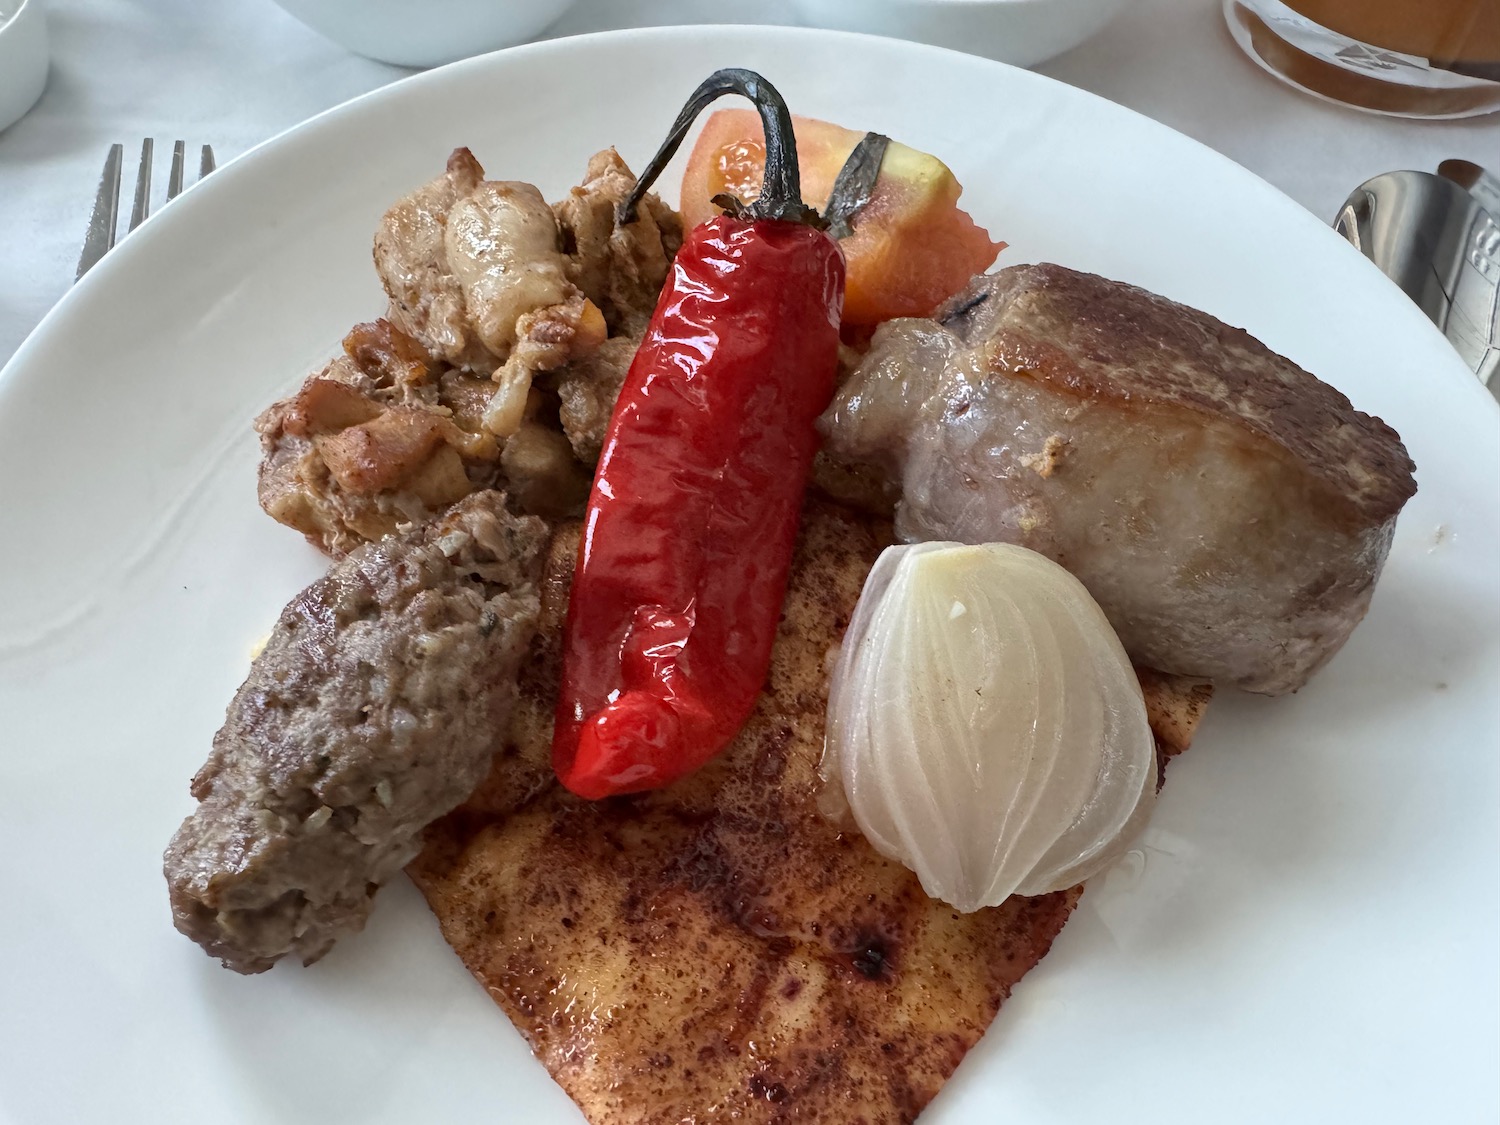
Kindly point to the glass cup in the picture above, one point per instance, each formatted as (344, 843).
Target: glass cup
(1407, 58)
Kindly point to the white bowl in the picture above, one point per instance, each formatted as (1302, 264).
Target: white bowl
(23, 58)
(426, 32)
(1021, 32)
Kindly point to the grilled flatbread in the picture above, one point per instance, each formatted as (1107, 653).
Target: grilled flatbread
(720, 948)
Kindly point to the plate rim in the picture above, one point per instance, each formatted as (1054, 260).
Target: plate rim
(1268, 193)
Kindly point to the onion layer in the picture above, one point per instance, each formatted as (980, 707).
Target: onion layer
(985, 724)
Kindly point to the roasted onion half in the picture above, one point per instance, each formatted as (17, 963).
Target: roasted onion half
(985, 725)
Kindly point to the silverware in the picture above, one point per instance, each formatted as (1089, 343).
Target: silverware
(1436, 237)
(105, 220)
(1482, 185)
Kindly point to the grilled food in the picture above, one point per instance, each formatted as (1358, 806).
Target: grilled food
(488, 284)
(1228, 511)
(374, 708)
(721, 945)
(381, 436)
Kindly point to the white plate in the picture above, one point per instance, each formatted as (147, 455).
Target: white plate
(1313, 934)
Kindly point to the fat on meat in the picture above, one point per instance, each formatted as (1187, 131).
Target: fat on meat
(411, 257)
(1229, 512)
(375, 708)
(469, 263)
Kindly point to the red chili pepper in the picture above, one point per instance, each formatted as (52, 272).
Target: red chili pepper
(691, 522)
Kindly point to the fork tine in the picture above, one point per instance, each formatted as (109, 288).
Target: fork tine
(101, 232)
(206, 161)
(174, 178)
(142, 206)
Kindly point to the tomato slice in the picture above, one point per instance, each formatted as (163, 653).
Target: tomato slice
(912, 246)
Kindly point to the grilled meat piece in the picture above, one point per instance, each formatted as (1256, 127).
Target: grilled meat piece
(375, 708)
(1229, 511)
(427, 301)
(385, 437)
(502, 247)
(719, 949)
(620, 268)
(465, 260)
(587, 391)
(475, 271)
(380, 437)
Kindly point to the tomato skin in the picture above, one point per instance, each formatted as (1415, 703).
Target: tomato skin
(912, 246)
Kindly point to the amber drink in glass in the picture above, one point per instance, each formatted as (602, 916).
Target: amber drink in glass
(1409, 58)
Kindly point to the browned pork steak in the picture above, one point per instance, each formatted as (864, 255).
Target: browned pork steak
(373, 710)
(1229, 512)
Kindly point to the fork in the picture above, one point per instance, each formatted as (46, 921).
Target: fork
(100, 239)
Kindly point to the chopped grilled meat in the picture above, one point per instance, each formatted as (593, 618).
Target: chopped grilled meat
(489, 289)
(488, 277)
(588, 390)
(1229, 512)
(475, 272)
(543, 475)
(427, 301)
(374, 709)
(501, 246)
(620, 268)
(381, 437)
(465, 259)
(720, 949)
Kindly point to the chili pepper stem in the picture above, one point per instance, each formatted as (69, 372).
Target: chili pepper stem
(781, 187)
(855, 184)
(781, 190)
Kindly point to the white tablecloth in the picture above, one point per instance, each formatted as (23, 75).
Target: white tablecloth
(235, 72)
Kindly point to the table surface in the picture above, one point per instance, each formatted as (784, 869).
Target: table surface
(236, 72)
